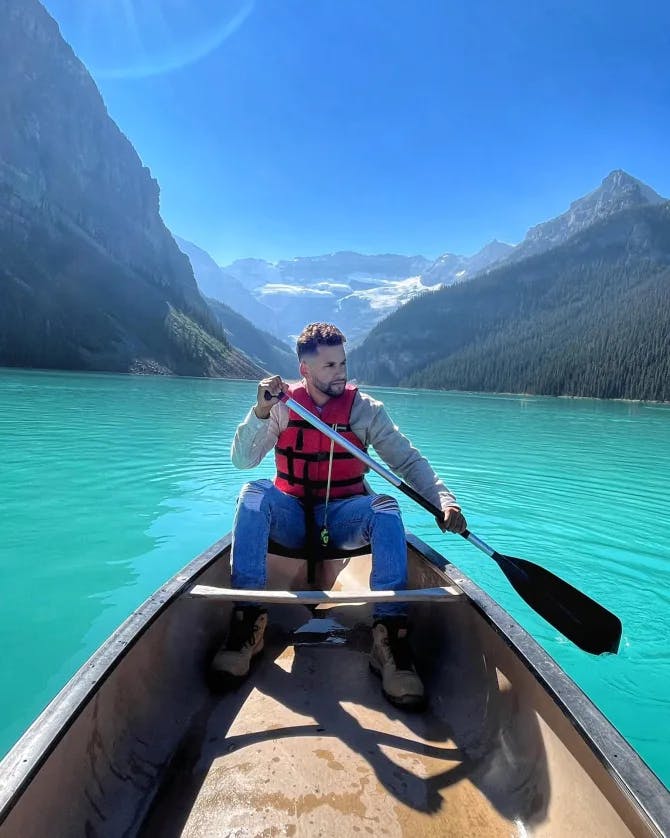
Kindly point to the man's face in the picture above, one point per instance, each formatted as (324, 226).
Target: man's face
(326, 370)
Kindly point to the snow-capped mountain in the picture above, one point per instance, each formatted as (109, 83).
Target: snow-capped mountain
(362, 309)
(343, 267)
(352, 290)
(355, 291)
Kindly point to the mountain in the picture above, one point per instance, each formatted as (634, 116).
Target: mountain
(253, 273)
(617, 192)
(214, 282)
(590, 317)
(491, 254)
(90, 276)
(235, 315)
(357, 291)
(450, 268)
(347, 266)
(352, 290)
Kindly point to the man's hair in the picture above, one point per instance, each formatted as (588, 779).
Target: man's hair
(316, 335)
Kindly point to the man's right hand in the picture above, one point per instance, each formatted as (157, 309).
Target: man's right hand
(273, 385)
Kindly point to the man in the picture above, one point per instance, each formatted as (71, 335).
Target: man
(317, 479)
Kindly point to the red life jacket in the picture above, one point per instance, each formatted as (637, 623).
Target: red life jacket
(302, 453)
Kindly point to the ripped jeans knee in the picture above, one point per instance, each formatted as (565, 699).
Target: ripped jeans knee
(254, 493)
(385, 505)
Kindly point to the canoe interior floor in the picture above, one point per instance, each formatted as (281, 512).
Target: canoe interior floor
(308, 746)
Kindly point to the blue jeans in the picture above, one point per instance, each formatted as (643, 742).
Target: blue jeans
(264, 512)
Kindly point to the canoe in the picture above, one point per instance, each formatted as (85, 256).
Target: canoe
(136, 744)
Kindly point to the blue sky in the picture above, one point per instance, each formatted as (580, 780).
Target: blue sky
(282, 128)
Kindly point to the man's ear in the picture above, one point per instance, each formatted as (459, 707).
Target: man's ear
(303, 369)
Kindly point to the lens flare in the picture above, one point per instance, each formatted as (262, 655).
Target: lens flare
(126, 39)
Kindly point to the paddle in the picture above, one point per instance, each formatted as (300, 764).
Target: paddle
(579, 618)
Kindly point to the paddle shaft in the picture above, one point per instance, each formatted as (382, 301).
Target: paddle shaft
(325, 429)
(580, 618)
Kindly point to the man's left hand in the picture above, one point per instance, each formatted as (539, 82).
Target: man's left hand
(452, 520)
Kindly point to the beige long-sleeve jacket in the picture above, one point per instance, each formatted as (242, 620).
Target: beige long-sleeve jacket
(371, 423)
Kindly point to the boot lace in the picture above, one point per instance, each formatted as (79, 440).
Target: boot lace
(243, 629)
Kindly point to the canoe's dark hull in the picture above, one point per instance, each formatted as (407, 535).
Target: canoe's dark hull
(137, 745)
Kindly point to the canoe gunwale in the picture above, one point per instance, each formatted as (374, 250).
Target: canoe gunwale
(631, 773)
(31, 751)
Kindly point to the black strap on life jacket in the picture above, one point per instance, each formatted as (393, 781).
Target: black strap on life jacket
(316, 457)
(301, 423)
(313, 485)
(293, 454)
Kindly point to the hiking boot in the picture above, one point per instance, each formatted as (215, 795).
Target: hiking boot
(232, 662)
(391, 659)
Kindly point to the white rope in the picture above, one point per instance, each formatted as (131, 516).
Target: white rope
(324, 536)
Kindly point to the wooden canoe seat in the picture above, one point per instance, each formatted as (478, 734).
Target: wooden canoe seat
(445, 594)
(341, 581)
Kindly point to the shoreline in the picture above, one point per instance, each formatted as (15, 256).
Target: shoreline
(144, 375)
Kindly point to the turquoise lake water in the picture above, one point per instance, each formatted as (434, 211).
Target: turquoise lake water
(110, 484)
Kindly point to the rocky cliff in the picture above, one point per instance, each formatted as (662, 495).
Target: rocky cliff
(618, 191)
(90, 278)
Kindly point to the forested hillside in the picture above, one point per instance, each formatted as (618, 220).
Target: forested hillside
(589, 318)
(270, 353)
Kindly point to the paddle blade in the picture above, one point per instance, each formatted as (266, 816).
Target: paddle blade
(582, 620)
